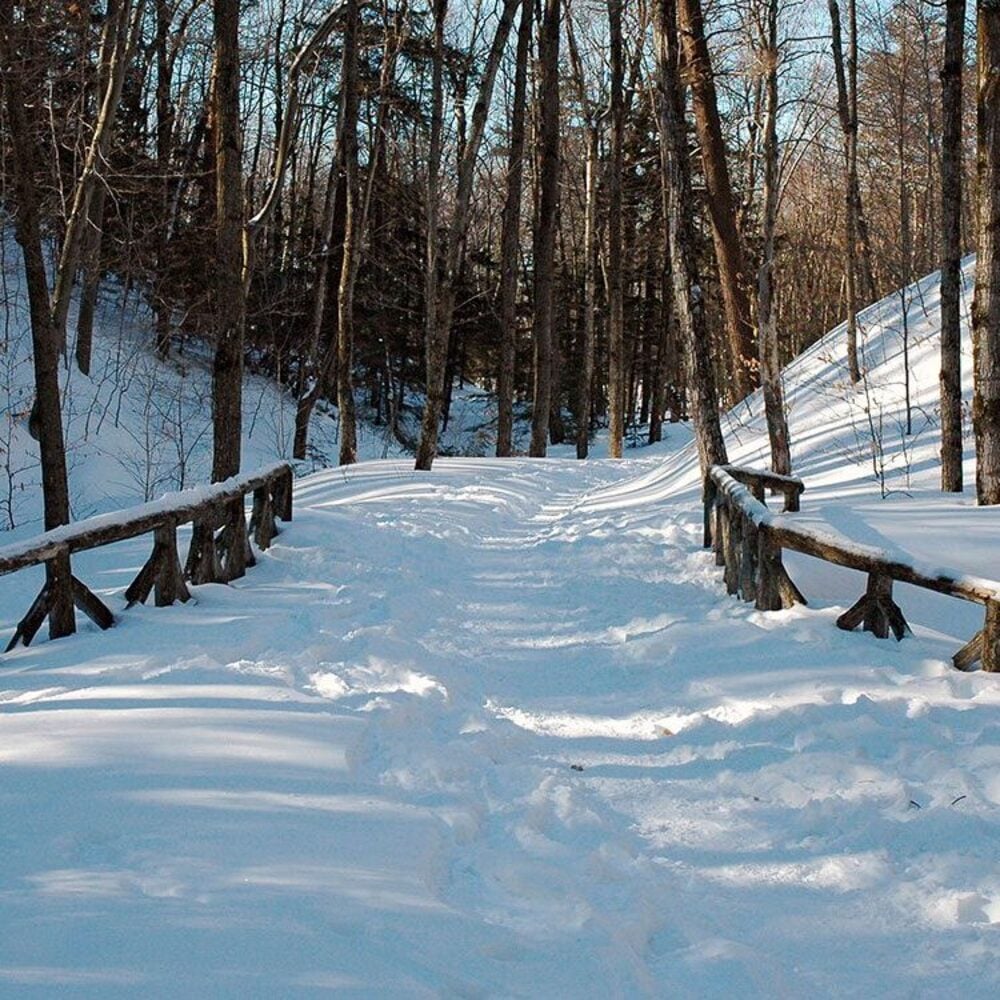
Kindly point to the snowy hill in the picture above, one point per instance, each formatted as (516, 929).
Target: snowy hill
(138, 426)
(497, 730)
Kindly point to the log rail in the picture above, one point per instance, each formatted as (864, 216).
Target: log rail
(748, 539)
(220, 549)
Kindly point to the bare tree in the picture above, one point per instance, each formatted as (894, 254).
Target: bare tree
(230, 298)
(545, 226)
(721, 204)
(349, 103)
(16, 57)
(986, 304)
(615, 266)
(767, 325)
(951, 247)
(689, 302)
(510, 238)
(585, 378)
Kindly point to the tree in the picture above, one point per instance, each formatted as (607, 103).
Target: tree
(767, 326)
(615, 266)
(349, 102)
(689, 302)
(229, 296)
(510, 239)
(951, 247)
(986, 303)
(847, 112)
(585, 378)
(16, 63)
(545, 225)
(721, 205)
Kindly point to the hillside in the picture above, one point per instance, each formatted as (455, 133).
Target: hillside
(497, 730)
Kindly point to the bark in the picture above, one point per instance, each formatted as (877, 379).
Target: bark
(688, 298)
(986, 304)
(847, 113)
(25, 155)
(436, 341)
(616, 288)
(345, 298)
(510, 239)
(585, 378)
(90, 286)
(323, 349)
(951, 247)
(229, 291)
(545, 226)
(164, 135)
(721, 204)
(767, 325)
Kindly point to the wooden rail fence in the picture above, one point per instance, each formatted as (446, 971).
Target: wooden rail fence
(748, 539)
(219, 552)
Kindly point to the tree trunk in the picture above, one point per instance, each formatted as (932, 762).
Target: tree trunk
(510, 240)
(90, 286)
(688, 298)
(585, 378)
(230, 302)
(721, 205)
(616, 288)
(951, 247)
(767, 326)
(585, 384)
(545, 226)
(849, 126)
(25, 156)
(345, 299)
(436, 339)
(986, 305)
(323, 342)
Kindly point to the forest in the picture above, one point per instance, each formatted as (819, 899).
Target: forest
(605, 215)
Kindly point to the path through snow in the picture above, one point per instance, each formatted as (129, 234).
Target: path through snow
(495, 731)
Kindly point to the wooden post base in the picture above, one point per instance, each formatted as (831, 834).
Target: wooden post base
(876, 611)
(984, 646)
(41, 608)
(162, 572)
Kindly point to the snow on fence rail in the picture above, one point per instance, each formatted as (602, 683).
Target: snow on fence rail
(748, 539)
(219, 552)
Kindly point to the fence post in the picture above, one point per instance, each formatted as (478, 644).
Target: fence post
(170, 585)
(732, 550)
(59, 584)
(991, 638)
(708, 494)
(748, 558)
(262, 517)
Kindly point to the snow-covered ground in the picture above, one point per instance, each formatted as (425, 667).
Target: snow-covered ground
(497, 730)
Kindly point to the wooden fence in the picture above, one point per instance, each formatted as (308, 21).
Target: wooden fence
(748, 539)
(219, 552)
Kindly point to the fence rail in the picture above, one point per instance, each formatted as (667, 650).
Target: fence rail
(220, 548)
(748, 539)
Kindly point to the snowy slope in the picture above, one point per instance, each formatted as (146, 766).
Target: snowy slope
(497, 730)
(137, 427)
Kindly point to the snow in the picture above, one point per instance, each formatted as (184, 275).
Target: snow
(497, 730)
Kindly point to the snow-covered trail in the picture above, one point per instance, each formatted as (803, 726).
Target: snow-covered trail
(495, 731)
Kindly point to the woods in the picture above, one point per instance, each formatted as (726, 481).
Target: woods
(609, 216)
